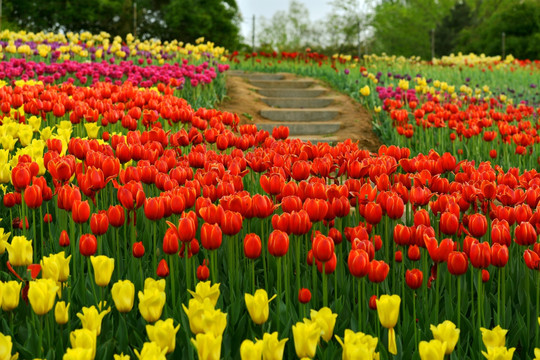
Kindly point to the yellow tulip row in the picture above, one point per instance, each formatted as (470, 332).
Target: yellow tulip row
(103, 40)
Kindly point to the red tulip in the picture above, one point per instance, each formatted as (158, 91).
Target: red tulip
(480, 255)
(9, 200)
(438, 252)
(316, 209)
(499, 255)
(525, 234)
(278, 243)
(373, 302)
(365, 245)
(421, 217)
(378, 271)
(99, 223)
(231, 224)
(373, 213)
(153, 209)
(80, 211)
(358, 262)
(87, 244)
(47, 218)
(414, 278)
(291, 203)
(138, 249)
(532, 260)
(262, 206)
(203, 273)
(398, 256)
(413, 253)
(116, 215)
(211, 236)
(449, 223)
(304, 295)
(272, 184)
(163, 269)
(485, 275)
(477, 225)
(170, 242)
(340, 206)
(402, 235)
(457, 263)
(64, 239)
(300, 170)
(323, 248)
(329, 266)
(21, 176)
(212, 214)
(500, 233)
(335, 235)
(394, 207)
(33, 197)
(252, 246)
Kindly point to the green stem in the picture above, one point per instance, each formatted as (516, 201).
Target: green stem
(480, 300)
(359, 305)
(325, 285)
(414, 321)
(253, 275)
(278, 300)
(173, 280)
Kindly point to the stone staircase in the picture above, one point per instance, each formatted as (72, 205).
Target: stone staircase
(299, 104)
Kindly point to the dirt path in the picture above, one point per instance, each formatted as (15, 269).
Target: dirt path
(356, 121)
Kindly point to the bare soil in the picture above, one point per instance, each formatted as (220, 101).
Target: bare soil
(243, 100)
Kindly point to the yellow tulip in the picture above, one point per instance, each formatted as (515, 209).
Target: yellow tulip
(20, 251)
(195, 312)
(35, 122)
(61, 313)
(3, 238)
(494, 338)
(123, 294)
(447, 332)
(205, 290)
(8, 142)
(41, 294)
(151, 351)
(499, 353)
(150, 283)
(258, 306)
(388, 310)
(272, 347)
(84, 339)
(25, 135)
(11, 293)
(358, 345)
(5, 348)
(163, 333)
(537, 353)
(208, 346)
(121, 357)
(91, 318)
(151, 304)
(306, 338)
(46, 133)
(55, 267)
(214, 322)
(433, 350)
(103, 269)
(5, 173)
(92, 130)
(78, 354)
(250, 350)
(365, 91)
(326, 321)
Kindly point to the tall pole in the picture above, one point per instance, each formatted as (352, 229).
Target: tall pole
(503, 44)
(134, 19)
(253, 42)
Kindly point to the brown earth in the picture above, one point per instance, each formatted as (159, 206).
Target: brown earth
(243, 100)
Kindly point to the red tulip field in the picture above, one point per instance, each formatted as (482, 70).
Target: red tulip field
(139, 222)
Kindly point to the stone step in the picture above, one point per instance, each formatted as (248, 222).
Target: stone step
(299, 103)
(304, 128)
(299, 114)
(282, 84)
(255, 76)
(292, 93)
(314, 139)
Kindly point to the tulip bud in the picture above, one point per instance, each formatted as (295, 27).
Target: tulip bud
(278, 243)
(61, 313)
(87, 245)
(103, 269)
(138, 249)
(203, 273)
(414, 278)
(123, 294)
(304, 295)
(163, 269)
(252, 246)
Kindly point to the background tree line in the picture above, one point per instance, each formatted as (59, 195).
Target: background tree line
(400, 27)
(185, 20)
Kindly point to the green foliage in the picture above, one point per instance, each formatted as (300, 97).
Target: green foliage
(185, 20)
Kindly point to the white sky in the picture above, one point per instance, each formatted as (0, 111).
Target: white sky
(317, 10)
